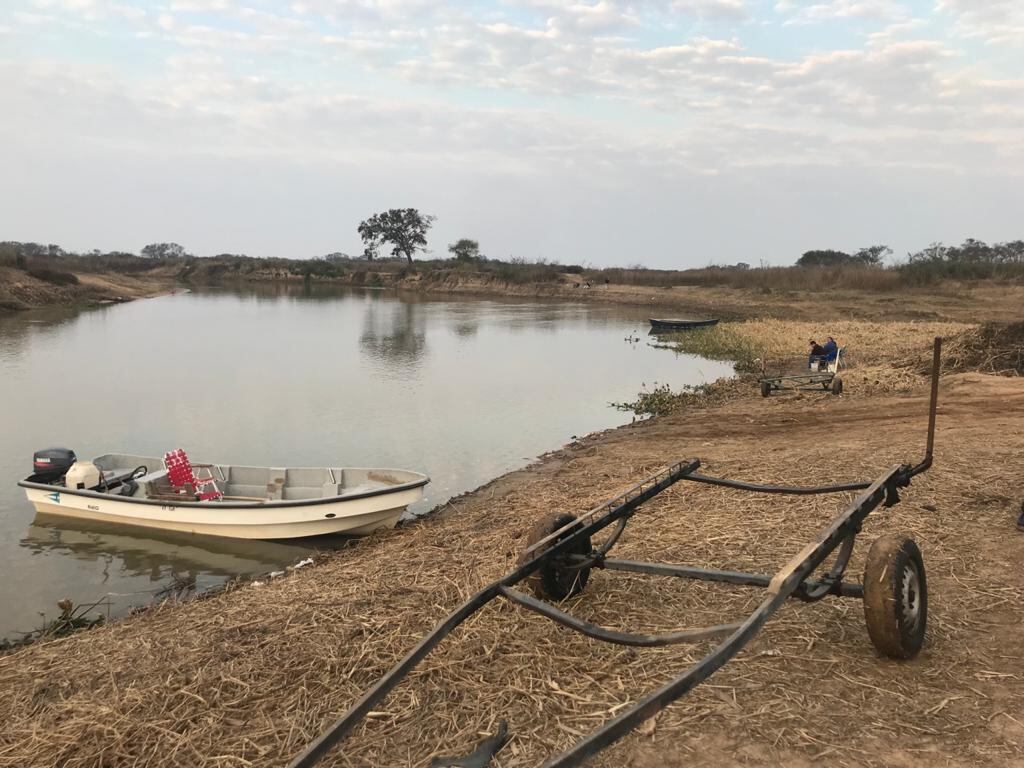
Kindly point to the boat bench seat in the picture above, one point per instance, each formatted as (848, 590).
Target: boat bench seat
(279, 483)
(311, 483)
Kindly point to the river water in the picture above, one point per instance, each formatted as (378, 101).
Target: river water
(461, 389)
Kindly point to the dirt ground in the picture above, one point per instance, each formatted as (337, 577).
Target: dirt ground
(248, 677)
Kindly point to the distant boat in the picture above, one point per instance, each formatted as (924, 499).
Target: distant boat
(673, 324)
(250, 503)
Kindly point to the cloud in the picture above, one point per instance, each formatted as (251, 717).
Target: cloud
(712, 9)
(201, 6)
(816, 12)
(93, 10)
(997, 22)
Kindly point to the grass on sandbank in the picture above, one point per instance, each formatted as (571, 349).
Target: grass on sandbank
(875, 353)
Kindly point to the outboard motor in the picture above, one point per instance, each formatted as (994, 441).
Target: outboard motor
(51, 464)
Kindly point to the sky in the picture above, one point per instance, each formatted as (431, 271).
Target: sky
(669, 134)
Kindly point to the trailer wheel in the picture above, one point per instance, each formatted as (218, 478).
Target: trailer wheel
(556, 579)
(766, 389)
(895, 596)
(837, 386)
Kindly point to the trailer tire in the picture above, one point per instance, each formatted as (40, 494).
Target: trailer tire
(896, 596)
(766, 389)
(556, 579)
(837, 386)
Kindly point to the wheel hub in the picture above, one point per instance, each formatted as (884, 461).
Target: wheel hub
(910, 604)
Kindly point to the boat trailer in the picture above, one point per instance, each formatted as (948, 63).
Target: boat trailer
(559, 555)
(817, 373)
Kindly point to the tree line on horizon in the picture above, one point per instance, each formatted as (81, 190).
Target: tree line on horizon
(405, 230)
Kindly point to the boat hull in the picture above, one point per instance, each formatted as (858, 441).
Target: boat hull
(356, 517)
(680, 325)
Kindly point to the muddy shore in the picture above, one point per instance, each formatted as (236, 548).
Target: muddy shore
(249, 676)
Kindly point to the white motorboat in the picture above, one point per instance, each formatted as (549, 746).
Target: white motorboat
(245, 502)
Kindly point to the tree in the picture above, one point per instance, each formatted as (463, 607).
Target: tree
(933, 254)
(163, 251)
(1011, 252)
(404, 228)
(872, 255)
(823, 259)
(33, 250)
(974, 251)
(465, 250)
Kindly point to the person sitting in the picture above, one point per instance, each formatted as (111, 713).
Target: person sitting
(831, 350)
(817, 353)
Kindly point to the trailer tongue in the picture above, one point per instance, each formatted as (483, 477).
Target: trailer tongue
(559, 555)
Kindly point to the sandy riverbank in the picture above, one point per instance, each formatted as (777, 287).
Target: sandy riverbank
(247, 677)
(21, 291)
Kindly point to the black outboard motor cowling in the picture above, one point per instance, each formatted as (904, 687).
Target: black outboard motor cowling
(52, 464)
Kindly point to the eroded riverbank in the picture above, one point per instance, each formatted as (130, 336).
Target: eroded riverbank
(20, 291)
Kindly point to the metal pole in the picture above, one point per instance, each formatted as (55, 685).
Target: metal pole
(932, 410)
(933, 405)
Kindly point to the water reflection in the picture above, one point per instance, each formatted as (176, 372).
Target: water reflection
(465, 328)
(19, 331)
(394, 333)
(297, 290)
(151, 553)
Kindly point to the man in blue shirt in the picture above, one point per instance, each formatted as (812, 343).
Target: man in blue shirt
(831, 349)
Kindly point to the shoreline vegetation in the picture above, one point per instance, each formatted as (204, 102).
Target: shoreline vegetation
(972, 282)
(881, 358)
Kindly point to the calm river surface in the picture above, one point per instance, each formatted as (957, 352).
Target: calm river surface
(463, 390)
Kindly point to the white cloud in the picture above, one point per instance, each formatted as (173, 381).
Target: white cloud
(713, 9)
(815, 12)
(997, 22)
(93, 10)
(201, 6)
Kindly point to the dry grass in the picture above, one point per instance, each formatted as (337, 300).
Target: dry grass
(990, 348)
(874, 353)
(248, 677)
(879, 356)
(868, 343)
